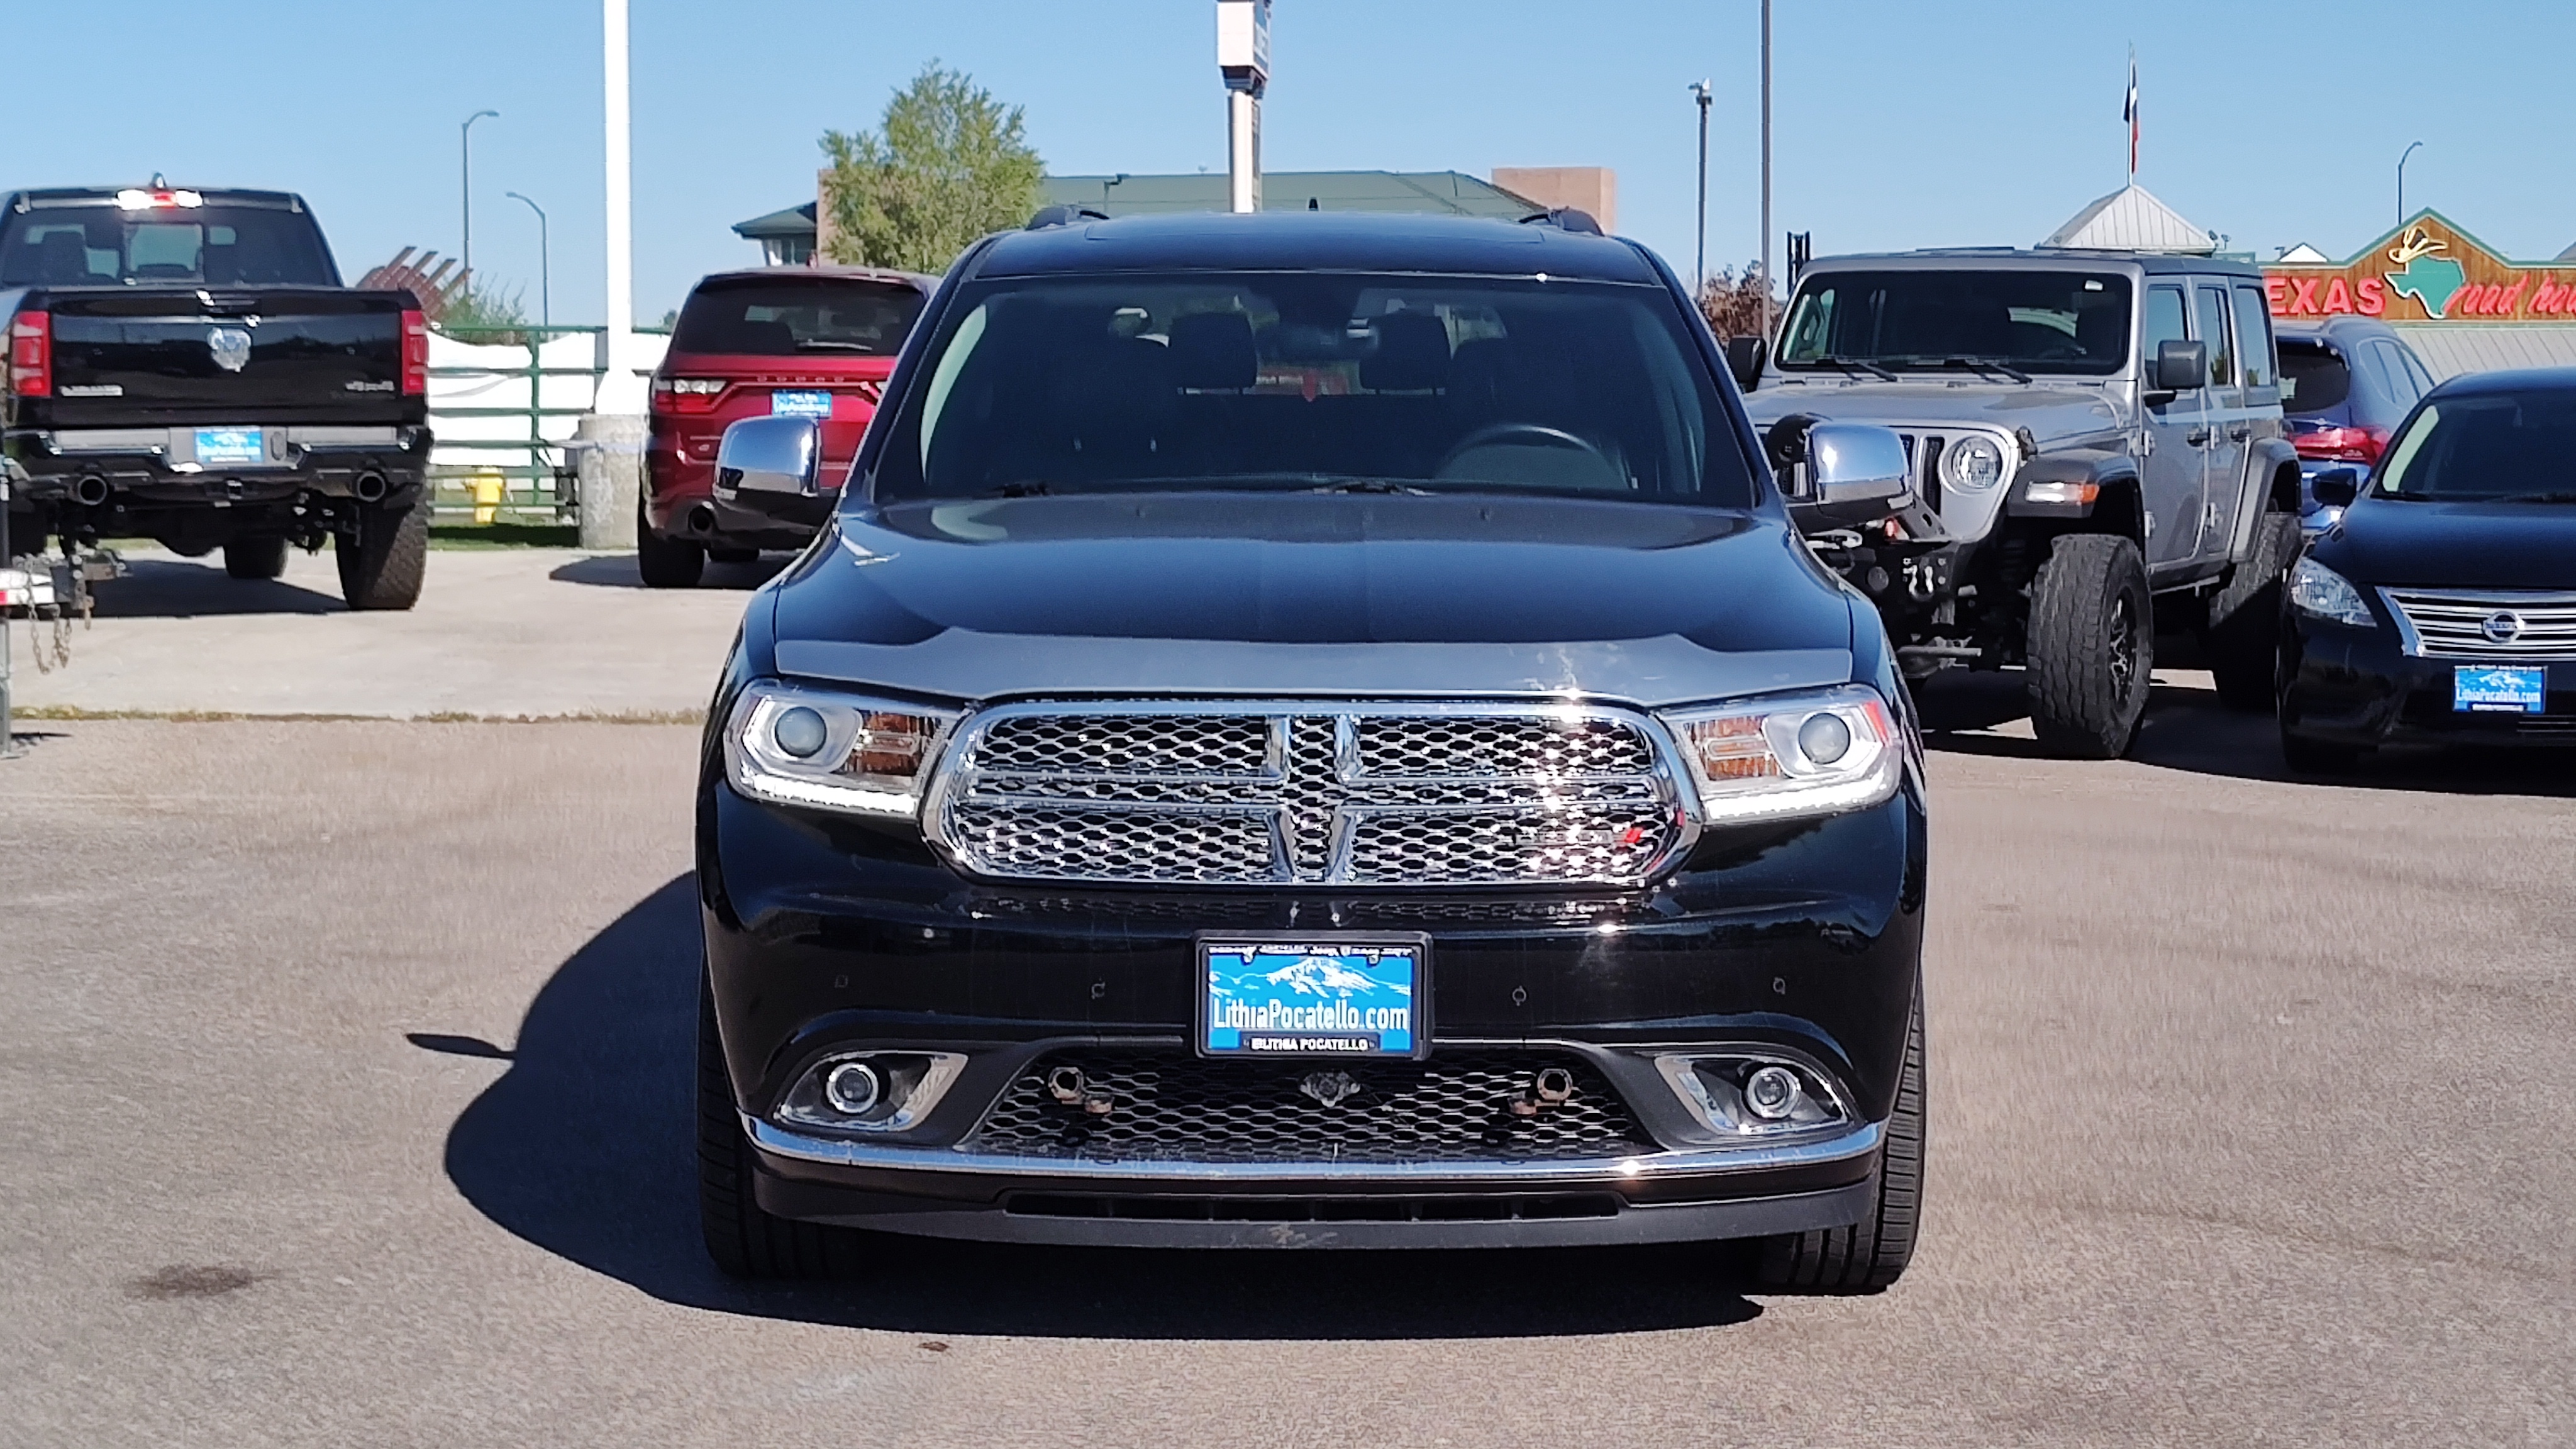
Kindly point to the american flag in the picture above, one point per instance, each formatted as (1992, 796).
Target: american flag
(2129, 112)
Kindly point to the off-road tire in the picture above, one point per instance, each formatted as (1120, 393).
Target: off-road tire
(2090, 646)
(383, 560)
(2242, 642)
(255, 558)
(744, 1240)
(2315, 757)
(665, 563)
(1872, 1253)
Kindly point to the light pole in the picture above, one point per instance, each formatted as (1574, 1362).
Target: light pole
(1243, 58)
(1699, 268)
(465, 174)
(1766, 168)
(545, 265)
(2401, 182)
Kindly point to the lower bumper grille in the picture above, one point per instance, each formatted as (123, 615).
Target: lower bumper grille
(1173, 1108)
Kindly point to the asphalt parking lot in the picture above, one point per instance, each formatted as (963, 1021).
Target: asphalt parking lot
(344, 1100)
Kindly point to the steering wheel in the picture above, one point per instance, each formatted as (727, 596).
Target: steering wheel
(1527, 434)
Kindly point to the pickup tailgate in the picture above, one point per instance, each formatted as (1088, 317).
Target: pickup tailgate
(275, 354)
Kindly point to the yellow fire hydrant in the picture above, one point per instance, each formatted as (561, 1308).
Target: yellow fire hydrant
(489, 486)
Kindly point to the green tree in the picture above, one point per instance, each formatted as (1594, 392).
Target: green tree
(949, 164)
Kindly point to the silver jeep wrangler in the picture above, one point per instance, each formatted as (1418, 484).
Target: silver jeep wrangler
(2096, 450)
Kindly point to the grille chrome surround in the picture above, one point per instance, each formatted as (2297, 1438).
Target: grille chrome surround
(1309, 793)
(1453, 1107)
(2450, 623)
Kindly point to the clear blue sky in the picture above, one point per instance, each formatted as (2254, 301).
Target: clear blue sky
(1899, 122)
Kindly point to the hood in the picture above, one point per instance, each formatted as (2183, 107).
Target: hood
(2454, 545)
(2051, 413)
(1252, 593)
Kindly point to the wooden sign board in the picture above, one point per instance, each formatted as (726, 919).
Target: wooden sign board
(2426, 271)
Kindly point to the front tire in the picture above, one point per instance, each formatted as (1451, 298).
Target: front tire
(383, 560)
(2243, 639)
(1871, 1254)
(745, 1240)
(666, 563)
(255, 558)
(2090, 646)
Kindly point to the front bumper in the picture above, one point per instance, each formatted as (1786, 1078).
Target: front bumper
(826, 935)
(2359, 687)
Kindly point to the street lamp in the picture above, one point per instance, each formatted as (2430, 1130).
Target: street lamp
(1699, 268)
(1766, 168)
(545, 265)
(2401, 183)
(465, 173)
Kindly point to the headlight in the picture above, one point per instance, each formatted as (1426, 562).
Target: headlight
(811, 747)
(1973, 463)
(2320, 591)
(1791, 755)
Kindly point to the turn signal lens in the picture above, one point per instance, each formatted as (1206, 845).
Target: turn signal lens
(811, 747)
(1791, 755)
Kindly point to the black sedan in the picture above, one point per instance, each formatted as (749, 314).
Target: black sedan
(2442, 608)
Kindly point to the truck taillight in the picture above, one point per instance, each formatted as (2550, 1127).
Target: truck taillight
(31, 354)
(687, 394)
(415, 354)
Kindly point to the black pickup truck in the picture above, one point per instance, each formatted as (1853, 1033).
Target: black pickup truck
(186, 366)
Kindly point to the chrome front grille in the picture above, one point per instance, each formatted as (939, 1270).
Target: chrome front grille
(2484, 624)
(1298, 793)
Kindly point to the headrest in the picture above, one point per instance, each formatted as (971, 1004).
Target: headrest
(1214, 350)
(61, 258)
(1116, 394)
(1412, 354)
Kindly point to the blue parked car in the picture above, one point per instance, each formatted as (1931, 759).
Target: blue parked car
(2346, 383)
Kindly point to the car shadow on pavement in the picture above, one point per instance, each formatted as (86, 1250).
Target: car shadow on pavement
(584, 1147)
(617, 571)
(166, 588)
(2187, 728)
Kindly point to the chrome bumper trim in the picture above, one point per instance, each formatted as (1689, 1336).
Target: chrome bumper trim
(1609, 1172)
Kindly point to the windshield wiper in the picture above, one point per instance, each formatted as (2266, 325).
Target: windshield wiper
(1986, 364)
(2561, 496)
(1856, 365)
(1369, 485)
(822, 344)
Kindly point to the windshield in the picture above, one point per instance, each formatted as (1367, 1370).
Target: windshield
(223, 246)
(2487, 445)
(2028, 321)
(782, 318)
(1323, 381)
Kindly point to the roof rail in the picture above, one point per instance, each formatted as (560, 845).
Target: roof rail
(1564, 218)
(1048, 216)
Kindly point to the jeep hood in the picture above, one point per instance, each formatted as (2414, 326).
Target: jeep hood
(1298, 593)
(2052, 414)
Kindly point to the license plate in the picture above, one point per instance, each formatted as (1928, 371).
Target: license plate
(231, 445)
(1314, 996)
(2486, 689)
(800, 404)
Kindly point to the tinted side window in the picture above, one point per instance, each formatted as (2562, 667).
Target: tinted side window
(2313, 378)
(2415, 369)
(2254, 336)
(2373, 362)
(2163, 322)
(2212, 308)
(2393, 359)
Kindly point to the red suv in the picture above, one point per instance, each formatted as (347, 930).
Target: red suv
(812, 341)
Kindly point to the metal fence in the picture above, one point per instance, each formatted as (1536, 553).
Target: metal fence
(503, 402)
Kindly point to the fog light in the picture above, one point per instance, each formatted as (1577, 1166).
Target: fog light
(1825, 738)
(800, 732)
(853, 1087)
(1772, 1092)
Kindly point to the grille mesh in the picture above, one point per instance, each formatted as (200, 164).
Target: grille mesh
(1453, 1108)
(1309, 795)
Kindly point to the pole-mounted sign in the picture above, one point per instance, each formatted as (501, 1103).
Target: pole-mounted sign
(1243, 58)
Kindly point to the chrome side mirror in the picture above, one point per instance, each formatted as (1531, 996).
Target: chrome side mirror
(770, 455)
(1854, 463)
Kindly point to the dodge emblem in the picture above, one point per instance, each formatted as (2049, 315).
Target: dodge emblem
(2501, 627)
(231, 347)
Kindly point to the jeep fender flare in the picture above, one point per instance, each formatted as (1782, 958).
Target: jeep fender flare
(2271, 482)
(2094, 485)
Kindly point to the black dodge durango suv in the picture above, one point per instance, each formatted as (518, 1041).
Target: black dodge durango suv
(1312, 731)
